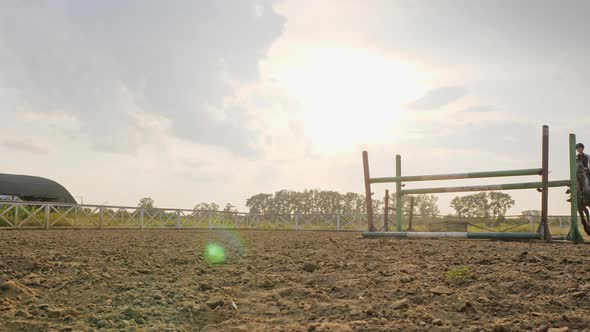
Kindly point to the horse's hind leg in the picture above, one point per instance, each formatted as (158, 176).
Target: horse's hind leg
(584, 216)
(586, 226)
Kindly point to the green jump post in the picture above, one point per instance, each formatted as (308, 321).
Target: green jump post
(574, 234)
(545, 185)
(386, 211)
(368, 193)
(398, 193)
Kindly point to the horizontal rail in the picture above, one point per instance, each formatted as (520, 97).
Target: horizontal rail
(472, 175)
(489, 187)
(463, 235)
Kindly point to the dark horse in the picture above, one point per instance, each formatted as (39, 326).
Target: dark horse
(583, 194)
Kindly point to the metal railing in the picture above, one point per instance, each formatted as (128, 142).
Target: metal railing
(22, 215)
(36, 215)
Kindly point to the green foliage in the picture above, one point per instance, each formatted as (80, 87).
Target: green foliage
(207, 207)
(500, 203)
(229, 208)
(531, 213)
(309, 201)
(460, 273)
(146, 203)
(424, 205)
(260, 203)
(482, 205)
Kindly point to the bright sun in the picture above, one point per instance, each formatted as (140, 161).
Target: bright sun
(348, 96)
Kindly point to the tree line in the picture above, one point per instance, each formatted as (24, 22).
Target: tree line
(149, 203)
(482, 205)
(315, 201)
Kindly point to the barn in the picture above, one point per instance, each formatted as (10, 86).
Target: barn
(34, 188)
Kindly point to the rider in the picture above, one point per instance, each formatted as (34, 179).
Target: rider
(584, 158)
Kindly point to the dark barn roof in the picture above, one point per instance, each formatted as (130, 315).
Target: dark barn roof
(34, 188)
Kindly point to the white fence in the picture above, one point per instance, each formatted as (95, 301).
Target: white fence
(16, 215)
(23, 215)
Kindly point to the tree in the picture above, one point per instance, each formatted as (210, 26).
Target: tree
(283, 202)
(377, 205)
(424, 205)
(533, 213)
(315, 201)
(459, 204)
(308, 201)
(353, 203)
(229, 208)
(479, 205)
(260, 203)
(500, 203)
(427, 205)
(329, 202)
(206, 207)
(493, 204)
(405, 203)
(471, 206)
(146, 203)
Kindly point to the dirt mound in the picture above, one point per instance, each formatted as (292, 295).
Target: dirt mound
(11, 289)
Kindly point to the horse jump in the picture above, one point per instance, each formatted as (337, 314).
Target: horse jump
(543, 232)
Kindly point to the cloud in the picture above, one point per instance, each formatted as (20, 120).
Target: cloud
(109, 64)
(24, 146)
(479, 109)
(494, 137)
(437, 98)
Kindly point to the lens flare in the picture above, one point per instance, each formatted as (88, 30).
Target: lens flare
(215, 253)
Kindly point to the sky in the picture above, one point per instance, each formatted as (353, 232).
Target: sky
(215, 101)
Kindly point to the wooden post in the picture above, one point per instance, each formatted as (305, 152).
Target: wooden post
(141, 217)
(47, 214)
(386, 212)
(411, 214)
(398, 193)
(368, 193)
(100, 215)
(574, 233)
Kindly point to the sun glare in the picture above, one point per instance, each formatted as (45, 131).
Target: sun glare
(349, 96)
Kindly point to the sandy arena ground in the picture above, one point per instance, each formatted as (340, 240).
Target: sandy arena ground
(128, 280)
